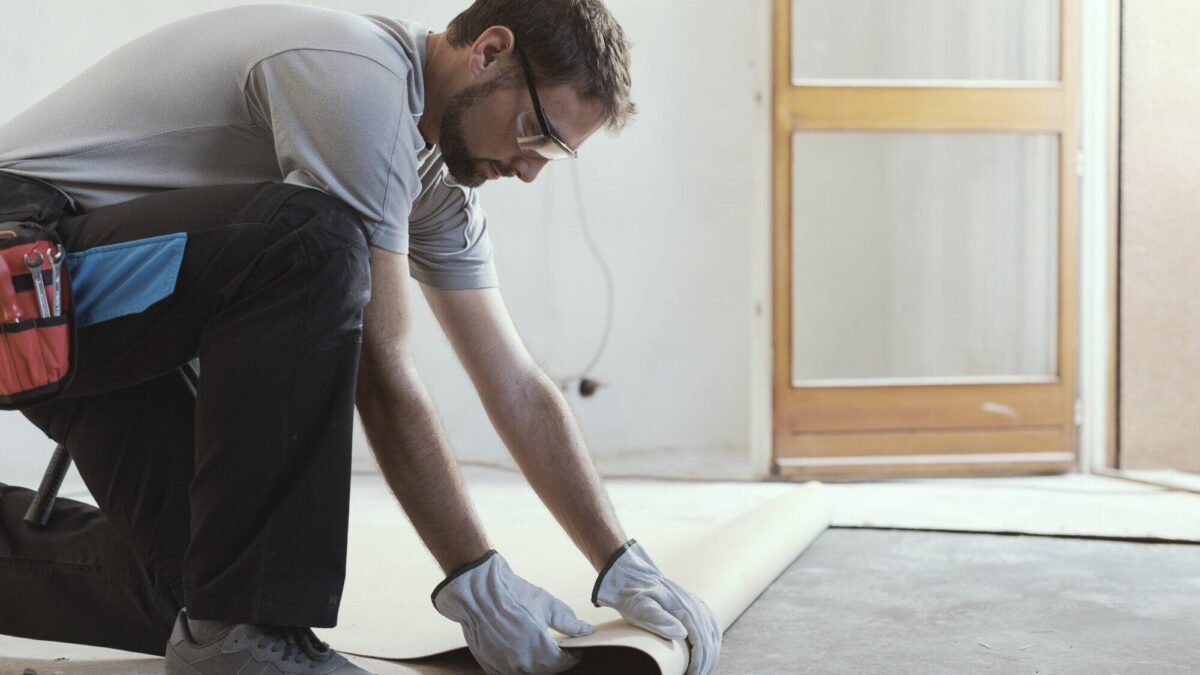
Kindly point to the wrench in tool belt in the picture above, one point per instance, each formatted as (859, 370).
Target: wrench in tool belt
(56, 261)
(35, 268)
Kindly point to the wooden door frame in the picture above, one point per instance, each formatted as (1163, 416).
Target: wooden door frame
(867, 431)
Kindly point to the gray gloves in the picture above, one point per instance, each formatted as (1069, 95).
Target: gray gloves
(504, 618)
(633, 585)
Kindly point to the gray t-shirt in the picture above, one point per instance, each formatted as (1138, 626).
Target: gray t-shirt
(310, 96)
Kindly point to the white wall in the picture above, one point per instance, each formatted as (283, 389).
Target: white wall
(1159, 377)
(678, 202)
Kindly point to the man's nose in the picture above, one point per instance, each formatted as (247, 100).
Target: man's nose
(528, 168)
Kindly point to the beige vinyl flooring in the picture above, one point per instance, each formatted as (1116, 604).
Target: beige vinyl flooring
(864, 576)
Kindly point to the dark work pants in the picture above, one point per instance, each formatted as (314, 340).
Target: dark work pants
(235, 502)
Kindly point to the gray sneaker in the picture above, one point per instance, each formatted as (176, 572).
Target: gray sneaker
(243, 648)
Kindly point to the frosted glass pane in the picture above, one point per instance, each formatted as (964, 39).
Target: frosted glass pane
(925, 40)
(924, 255)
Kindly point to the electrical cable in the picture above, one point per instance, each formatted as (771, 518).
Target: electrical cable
(606, 271)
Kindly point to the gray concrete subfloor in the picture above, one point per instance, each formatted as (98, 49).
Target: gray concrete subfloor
(896, 602)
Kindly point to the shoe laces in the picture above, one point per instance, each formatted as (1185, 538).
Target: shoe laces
(301, 642)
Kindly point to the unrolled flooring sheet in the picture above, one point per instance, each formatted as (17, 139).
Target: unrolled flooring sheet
(725, 542)
(1067, 505)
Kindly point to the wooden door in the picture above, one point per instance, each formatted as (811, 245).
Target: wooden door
(924, 245)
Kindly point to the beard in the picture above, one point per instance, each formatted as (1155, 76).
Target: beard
(463, 166)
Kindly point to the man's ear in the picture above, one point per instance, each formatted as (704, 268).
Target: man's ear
(488, 47)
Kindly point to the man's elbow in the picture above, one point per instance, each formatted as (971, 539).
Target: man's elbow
(522, 392)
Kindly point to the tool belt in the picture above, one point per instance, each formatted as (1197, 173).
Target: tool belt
(37, 325)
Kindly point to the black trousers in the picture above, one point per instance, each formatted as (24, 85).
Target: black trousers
(235, 502)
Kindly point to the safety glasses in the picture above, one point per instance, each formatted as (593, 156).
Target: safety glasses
(534, 135)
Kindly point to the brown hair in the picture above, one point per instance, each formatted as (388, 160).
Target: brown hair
(574, 42)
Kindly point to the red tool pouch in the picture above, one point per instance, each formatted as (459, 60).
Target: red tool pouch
(37, 326)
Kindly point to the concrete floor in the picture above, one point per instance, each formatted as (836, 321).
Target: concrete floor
(900, 602)
(862, 600)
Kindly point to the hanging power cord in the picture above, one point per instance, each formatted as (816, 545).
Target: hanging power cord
(586, 385)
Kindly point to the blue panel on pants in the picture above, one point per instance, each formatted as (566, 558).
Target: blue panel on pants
(125, 278)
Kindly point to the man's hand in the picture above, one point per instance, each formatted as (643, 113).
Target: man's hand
(633, 585)
(504, 618)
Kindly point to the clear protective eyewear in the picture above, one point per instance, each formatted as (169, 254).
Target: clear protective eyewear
(534, 135)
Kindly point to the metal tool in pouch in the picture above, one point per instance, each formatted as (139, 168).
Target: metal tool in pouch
(37, 327)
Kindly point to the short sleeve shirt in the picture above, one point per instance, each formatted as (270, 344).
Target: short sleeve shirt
(304, 95)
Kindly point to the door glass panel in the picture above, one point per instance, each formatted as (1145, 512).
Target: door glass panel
(921, 40)
(924, 257)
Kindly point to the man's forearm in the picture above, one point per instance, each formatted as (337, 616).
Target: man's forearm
(540, 431)
(404, 433)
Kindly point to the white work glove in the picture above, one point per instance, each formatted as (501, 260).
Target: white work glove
(504, 618)
(633, 585)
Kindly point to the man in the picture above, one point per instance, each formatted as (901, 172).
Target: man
(262, 172)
